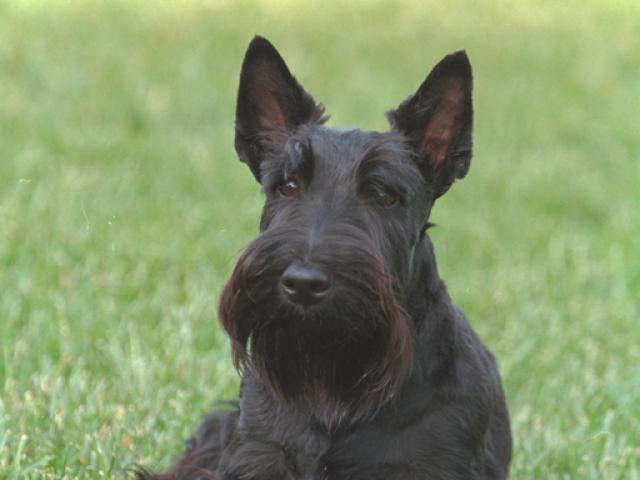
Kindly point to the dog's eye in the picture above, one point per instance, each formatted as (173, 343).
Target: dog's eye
(289, 188)
(384, 198)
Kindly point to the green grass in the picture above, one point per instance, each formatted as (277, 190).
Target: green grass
(123, 207)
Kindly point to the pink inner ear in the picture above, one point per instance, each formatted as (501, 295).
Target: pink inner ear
(270, 113)
(442, 126)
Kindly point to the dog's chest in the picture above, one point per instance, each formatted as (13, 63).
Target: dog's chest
(357, 457)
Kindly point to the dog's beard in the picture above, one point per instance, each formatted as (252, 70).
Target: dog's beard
(342, 359)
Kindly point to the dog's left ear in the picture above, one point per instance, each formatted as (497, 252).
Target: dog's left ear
(271, 104)
(438, 119)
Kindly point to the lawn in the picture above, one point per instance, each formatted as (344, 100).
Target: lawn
(123, 208)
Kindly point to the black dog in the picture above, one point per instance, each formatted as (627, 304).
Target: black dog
(355, 363)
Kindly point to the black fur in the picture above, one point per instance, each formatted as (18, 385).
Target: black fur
(382, 378)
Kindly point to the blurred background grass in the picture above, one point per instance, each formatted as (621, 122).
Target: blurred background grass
(123, 207)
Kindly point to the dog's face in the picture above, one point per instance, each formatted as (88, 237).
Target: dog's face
(317, 304)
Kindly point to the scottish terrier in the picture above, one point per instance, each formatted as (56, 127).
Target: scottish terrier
(355, 364)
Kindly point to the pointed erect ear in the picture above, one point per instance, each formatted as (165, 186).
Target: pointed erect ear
(438, 119)
(271, 104)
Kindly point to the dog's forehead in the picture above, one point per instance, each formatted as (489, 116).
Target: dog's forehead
(340, 151)
(343, 145)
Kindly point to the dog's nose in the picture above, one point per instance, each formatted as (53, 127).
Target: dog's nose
(305, 285)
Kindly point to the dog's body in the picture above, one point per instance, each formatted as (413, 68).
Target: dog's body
(355, 363)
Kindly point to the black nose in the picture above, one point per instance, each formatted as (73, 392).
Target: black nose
(305, 285)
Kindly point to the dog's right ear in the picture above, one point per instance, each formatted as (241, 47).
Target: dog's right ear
(271, 104)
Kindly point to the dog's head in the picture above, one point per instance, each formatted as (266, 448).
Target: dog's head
(318, 304)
